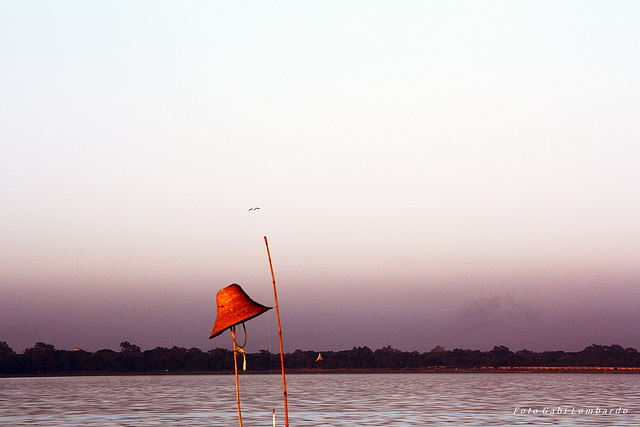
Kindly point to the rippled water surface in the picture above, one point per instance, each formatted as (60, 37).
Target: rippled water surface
(486, 399)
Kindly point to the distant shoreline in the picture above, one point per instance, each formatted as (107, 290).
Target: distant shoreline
(44, 359)
(448, 370)
(604, 370)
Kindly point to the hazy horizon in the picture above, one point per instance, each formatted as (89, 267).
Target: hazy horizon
(428, 173)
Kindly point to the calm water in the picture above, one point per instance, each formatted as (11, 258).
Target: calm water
(324, 400)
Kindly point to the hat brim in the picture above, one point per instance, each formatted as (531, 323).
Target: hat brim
(220, 326)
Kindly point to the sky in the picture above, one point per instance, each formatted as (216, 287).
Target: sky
(463, 174)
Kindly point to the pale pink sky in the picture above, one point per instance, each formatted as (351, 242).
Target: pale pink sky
(429, 173)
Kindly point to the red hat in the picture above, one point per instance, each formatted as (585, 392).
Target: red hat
(234, 307)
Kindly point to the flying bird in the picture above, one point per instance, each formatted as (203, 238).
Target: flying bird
(254, 209)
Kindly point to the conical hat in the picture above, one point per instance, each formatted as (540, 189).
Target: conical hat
(234, 307)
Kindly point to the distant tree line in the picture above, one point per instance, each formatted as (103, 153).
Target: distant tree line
(45, 359)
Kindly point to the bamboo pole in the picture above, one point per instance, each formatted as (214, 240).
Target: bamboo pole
(235, 365)
(275, 295)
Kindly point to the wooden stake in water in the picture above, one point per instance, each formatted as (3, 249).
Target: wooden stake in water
(235, 365)
(275, 295)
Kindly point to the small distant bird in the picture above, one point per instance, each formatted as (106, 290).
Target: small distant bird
(254, 209)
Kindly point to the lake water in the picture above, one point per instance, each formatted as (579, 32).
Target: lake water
(487, 399)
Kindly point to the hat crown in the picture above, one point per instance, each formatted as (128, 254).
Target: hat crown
(234, 307)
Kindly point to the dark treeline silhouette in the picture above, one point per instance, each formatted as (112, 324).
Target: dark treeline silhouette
(45, 359)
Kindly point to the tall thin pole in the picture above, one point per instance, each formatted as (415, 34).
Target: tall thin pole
(235, 365)
(275, 295)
